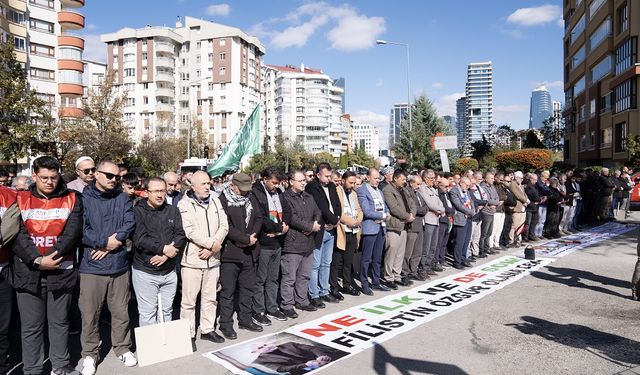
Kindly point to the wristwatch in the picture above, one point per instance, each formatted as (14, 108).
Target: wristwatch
(37, 262)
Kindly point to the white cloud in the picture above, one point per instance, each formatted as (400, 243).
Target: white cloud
(437, 85)
(536, 16)
(378, 120)
(446, 105)
(94, 49)
(549, 84)
(348, 30)
(222, 10)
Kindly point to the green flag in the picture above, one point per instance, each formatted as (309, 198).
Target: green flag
(245, 142)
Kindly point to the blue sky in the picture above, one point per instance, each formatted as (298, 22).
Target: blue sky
(523, 39)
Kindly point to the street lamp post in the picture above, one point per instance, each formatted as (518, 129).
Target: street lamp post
(406, 46)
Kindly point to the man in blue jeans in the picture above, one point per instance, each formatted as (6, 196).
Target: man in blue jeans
(326, 198)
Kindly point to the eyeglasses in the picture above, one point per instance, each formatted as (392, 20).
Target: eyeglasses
(49, 178)
(156, 191)
(300, 181)
(110, 176)
(88, 170)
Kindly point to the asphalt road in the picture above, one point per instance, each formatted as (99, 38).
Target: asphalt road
(571, 317)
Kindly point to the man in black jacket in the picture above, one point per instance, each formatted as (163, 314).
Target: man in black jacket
(239, 255)
(531, 221)
(44, 273)
(157, 240)
(326, 198)
(606, 193)
(275, 226)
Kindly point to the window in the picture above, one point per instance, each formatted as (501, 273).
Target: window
(579, 86)
(223, 86)
(299, 109)
(299, 118)
(198, 44)
(198, 73)
(130, 102)
(605, 102)
(70, 53)
(129, 86)
(592, 138)
(210, 57)
(223, 71)
(210, 86)
(15, 16)
(198, 59)
(625, 95)
(222, 42)
(577, 29)
(19, 43)
(299, 100)
(223, 100)
(602, 32)
(43, 3)
(620, 137)
(592, 108)
(626, 55)
(39, 25)
(300, 90)
(70, 76)
(42, 50)
(129, 116)
(601, 69)
(252, 62)
(145, 100)
(144, 55)
(623, 18)
(595, 6)
(37, 73)
(128, 57)
(605, 138)
(582, 113)
(578, 57)
(129, 72)
(223, 56)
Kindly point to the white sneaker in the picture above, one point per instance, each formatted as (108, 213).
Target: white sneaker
(88, 366)
(128, 359)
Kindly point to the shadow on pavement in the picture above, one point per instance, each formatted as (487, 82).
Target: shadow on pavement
(573, 278)
(613, 348)
(382, 358)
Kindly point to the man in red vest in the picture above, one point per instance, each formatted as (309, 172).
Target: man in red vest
(9, 225)
(43, 266)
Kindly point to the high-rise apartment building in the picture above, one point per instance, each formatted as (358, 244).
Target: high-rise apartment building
(540, 108)
(341, 82)
(398, 113)
(303, 105)
(367, 136)
(197, 74)
(479, 101)
(461, 121)
(45, 42)
(601, 77)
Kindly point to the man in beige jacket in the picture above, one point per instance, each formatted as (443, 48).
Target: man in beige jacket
(206, 226)
(519, 210)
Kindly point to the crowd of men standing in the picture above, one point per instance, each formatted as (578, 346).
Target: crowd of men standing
(270, 244)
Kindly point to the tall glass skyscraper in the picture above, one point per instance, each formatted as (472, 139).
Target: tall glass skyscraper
(461, 120)
(540, 109)
(398, 112)
(479, 101)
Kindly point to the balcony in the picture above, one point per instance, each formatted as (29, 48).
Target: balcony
(70, 41)
(71, 65)
(71, 112)
(163, 107)
(72, 3)
(70, 20)
(165, 91)
(164, 77)
(164, 47)
(71, 89)
(165, 61)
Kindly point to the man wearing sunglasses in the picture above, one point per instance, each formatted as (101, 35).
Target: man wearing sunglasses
(85, 169)
(104, 270)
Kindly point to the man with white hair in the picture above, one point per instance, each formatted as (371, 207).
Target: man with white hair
(543, 189)
(173, 192)
(519, 209)
(21, 183)
(606, 190)
(85, 169)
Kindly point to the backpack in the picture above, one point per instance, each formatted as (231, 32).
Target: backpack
(510, 201)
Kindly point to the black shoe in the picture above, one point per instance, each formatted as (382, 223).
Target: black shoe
(316, 303)
(66, 370)
(336, 293)
(229, 333)
(194, 348)
(420, 276)
(330, 298)
(261, 319)
(405, 282)
(467, 264)
(438, 268)
(458, 266)
(309, 307)
(367, 291)
(390, 284)
(381, 287)
(491, 252)
(351, 291)
(430, 272)
(290, 314)
(472, 258)
(535, 239)
(251, 326)
(483, 255)
(213, 337)
(277, 315)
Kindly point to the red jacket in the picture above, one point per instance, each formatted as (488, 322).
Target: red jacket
(9, 222)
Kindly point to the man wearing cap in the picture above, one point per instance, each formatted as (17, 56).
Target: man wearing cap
(387, 176)
(239, 255)
(85, 169)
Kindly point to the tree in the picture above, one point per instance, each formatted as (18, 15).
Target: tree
(19, 107)
(632, 145)
(480, 149)
(104, 134)
(160, 154)
(426, 124)
(526, 160)
(532, 141)
(58, 137)
(553, 135)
